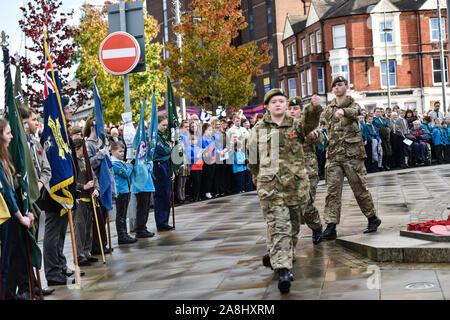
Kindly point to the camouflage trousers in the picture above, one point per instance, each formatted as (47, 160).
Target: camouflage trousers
(356, 174)
(311, 215)
(283, 227)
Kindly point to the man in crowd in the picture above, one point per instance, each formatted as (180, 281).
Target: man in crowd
(399, 130)
(345, 157)
(435, 113)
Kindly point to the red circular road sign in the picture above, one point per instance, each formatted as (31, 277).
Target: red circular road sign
(119, 53)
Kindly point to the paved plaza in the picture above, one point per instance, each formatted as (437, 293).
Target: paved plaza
(215, 252)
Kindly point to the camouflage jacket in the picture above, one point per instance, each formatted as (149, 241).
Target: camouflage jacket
(309, 150)
(275, 154)
(345, 139)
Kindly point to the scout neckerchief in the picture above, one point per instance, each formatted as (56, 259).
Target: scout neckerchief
(163, 138)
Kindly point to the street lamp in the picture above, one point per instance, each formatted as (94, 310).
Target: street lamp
(386, 30)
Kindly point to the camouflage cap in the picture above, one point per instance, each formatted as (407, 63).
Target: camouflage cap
(272, 93)
(75, 130)
(295, 101)
(338, 79)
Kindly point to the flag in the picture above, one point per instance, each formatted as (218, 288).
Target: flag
(139, 174)
(54, 135)
(252, 110)
(18, 147)
(153, 130)
(174, 129)
(33, 187)
(104, 176)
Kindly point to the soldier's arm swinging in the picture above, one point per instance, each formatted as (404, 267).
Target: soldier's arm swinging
(311, 115)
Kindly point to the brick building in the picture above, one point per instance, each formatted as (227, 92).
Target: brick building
(350, 38)
(265, 20)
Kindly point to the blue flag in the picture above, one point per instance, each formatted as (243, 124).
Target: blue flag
(55, 137)
(153, 130)
(139, 175)
(104, 177)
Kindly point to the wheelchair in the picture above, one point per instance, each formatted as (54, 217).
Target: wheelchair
(412, 162)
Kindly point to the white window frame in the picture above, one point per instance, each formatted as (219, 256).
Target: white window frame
(339, 40)
(292, 89)
(309, 81)
(390, 33)
(282, 85)
(320, 82)
(304, 51)
(439, 70)
(312, 43)
(444, 36)
(340, 71)
(319, 41)
(302, 77)
(288, 55)
(382, 74)
(294, 53)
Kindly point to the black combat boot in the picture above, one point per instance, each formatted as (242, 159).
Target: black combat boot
(291, 275)
(317, 235)
(330, 232)
(266, 260)
(284, 283)
(374, 222)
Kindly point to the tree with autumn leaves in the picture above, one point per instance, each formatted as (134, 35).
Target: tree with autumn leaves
(92, 31)
(213, 72)
(37, 15)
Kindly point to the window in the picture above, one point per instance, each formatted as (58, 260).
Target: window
(302, 77)
(250, 20)
(437, 71)
(304, 47)
(294, 53)
(319, 41)
(392, 74)
(410, 105)
(386, 36)
(312, 44)
(340, 70)
(269, 14)
(288, 55)
(292, 84)
(434, 29)
(320, 81)
(282, 87)
(339, 36)
(309, 81)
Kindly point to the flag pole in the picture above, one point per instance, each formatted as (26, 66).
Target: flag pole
(38, 276)
(30, 267)
(109, 232)
(98, 229)
(74, 249)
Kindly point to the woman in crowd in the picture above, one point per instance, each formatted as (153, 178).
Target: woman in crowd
(409, 116)
(209, 158)
(9, 235)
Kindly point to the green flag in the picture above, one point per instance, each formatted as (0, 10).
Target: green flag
(18, 149)
(19, 97)
(34, 193)
(174, 129)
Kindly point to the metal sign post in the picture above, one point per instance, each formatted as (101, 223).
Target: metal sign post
(126, 77)
(441, 50)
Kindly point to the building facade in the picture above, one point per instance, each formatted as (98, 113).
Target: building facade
(374, 44)
(265, 20)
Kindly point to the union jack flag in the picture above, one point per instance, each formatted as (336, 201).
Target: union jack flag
(48, 82)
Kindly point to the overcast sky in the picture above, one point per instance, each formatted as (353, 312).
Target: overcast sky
(10, 14)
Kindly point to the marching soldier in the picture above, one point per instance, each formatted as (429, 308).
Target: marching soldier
(276, 163)
(310, 215)
(345, 156)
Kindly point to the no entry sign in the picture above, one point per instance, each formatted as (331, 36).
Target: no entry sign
(119, 53)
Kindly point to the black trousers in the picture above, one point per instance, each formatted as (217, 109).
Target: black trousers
(398, 151)
(121, 214)
(220, 179)
(55, 262)
(17, 277)
(196, 182)
(447, 153)
(239, 178)
(208, 176)
(142, 207)
(439, 153)
(321, 160)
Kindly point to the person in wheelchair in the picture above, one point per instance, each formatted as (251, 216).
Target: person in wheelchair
(419, 146)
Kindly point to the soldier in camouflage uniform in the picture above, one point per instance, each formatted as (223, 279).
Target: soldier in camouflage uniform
(310, 215)
(276, 163)
(345, 156)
